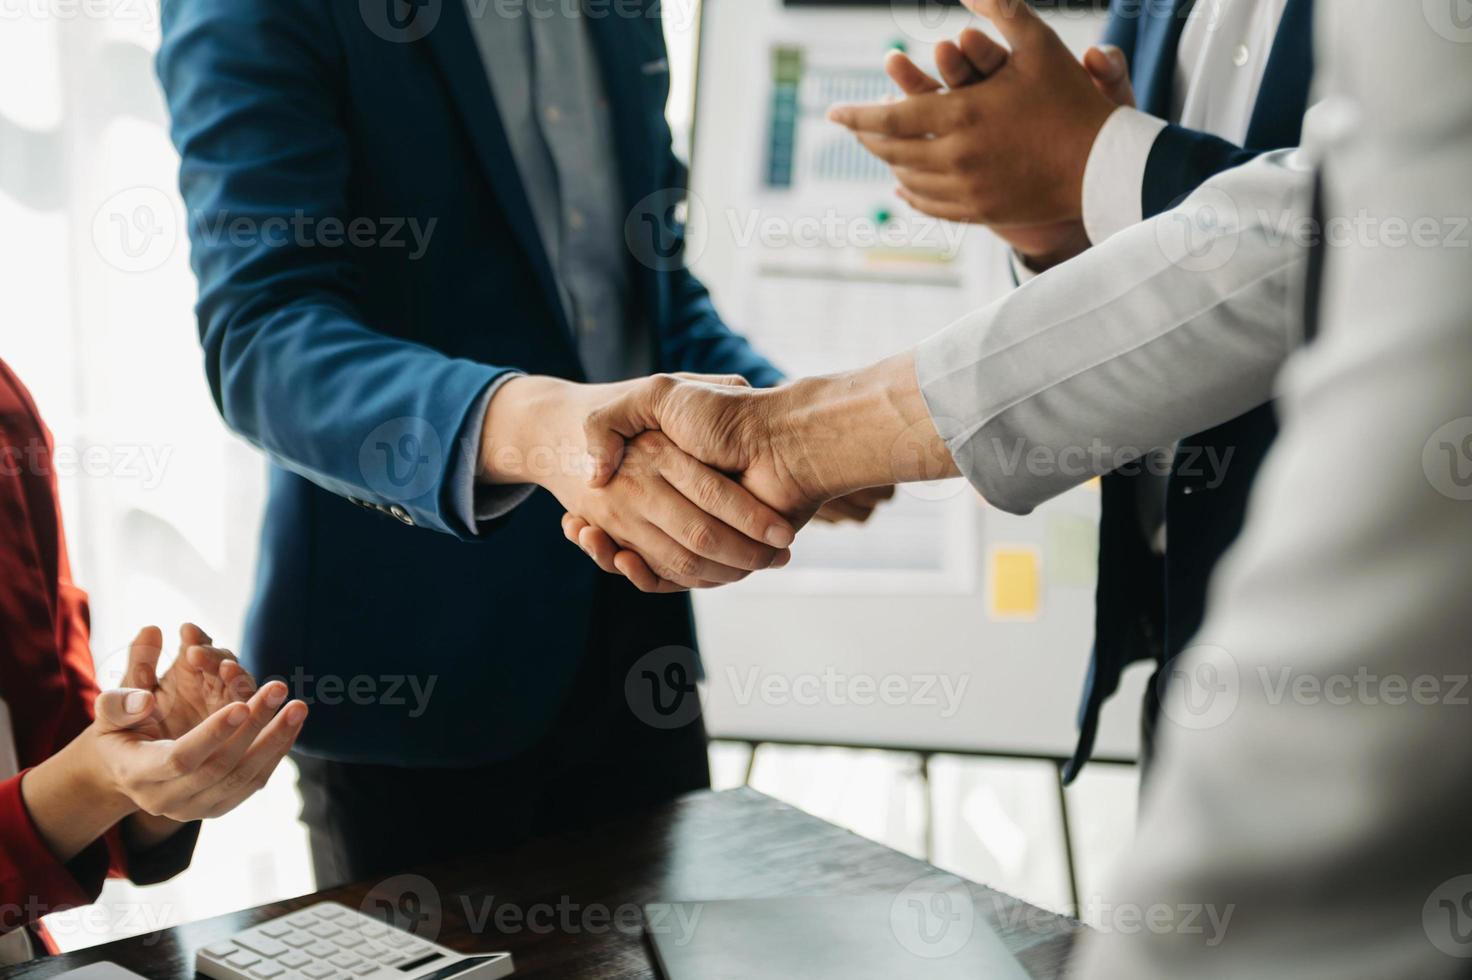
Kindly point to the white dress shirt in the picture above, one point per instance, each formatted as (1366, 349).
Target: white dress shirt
(1330, 815)
(1223, 54)
(1173, 326)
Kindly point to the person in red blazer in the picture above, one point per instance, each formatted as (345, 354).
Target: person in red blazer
(105, 783)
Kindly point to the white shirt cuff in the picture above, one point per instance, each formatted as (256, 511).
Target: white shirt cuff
(1114, 177)
(477, 503)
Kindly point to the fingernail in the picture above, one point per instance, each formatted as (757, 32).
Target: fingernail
(135, 703)
(779, 536)
(237, 716)
(296, 714)
(274, 699)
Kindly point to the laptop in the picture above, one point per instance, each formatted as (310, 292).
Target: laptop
(916, 935)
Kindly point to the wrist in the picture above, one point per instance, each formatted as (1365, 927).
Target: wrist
(72, 798)
(864, 428)
(526, 437)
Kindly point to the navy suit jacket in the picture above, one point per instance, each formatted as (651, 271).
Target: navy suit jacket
(355, 362)
(1147, 606)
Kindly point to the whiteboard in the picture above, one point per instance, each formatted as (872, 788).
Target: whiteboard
(945, 625)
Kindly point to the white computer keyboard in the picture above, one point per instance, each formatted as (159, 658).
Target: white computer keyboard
(329, 941)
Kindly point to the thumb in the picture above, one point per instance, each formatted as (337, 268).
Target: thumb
(1110, 70)
(608, 428)
(1018, 23)
(122, 708)
(143, 656)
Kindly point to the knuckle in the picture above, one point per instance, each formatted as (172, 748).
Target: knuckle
(235, 779)
(680, 567)
(707, 489)
(701, 536)
(653, 443)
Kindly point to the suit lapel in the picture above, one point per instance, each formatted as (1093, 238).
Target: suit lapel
(1157, 50)
(454, 49)
(1277, 119)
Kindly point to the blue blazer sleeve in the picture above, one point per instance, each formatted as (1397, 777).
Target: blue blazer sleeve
(292, 363)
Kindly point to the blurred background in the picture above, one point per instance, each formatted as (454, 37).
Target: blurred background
(971, 611)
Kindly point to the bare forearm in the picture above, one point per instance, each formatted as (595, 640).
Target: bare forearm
(533, 430)
(863, 428)
(70, 802)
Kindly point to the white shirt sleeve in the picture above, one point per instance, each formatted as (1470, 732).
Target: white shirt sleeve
(1114, 177)
(1173, 326)
(1314, 763)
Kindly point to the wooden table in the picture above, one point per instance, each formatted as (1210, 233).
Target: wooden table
(567, 906)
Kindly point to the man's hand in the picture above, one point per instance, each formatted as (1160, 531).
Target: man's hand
(796, 447)
(730, 427)
(692, 524)
(1009, 152)
(856, 507)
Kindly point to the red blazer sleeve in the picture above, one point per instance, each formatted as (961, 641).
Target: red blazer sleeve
(47, 677)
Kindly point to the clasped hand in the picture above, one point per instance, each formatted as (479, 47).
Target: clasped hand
(732, 429)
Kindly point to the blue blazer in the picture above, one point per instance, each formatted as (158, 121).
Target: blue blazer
(355, 362)
(1148, 607)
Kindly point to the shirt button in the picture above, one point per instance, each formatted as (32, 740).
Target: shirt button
(1241, 56)
(553, 114)
(575, 220)
(590, 324)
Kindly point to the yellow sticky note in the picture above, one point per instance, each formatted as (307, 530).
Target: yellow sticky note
(1015, 583)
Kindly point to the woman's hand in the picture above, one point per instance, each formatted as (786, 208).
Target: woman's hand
(206, 772)
(193, 745)
(200, 681)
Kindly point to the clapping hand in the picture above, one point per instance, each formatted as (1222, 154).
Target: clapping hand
(1004, 137)
(163, 751)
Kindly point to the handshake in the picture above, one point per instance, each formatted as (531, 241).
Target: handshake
(683, 482)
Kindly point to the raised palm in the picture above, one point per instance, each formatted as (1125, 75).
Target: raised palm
(199, 682)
